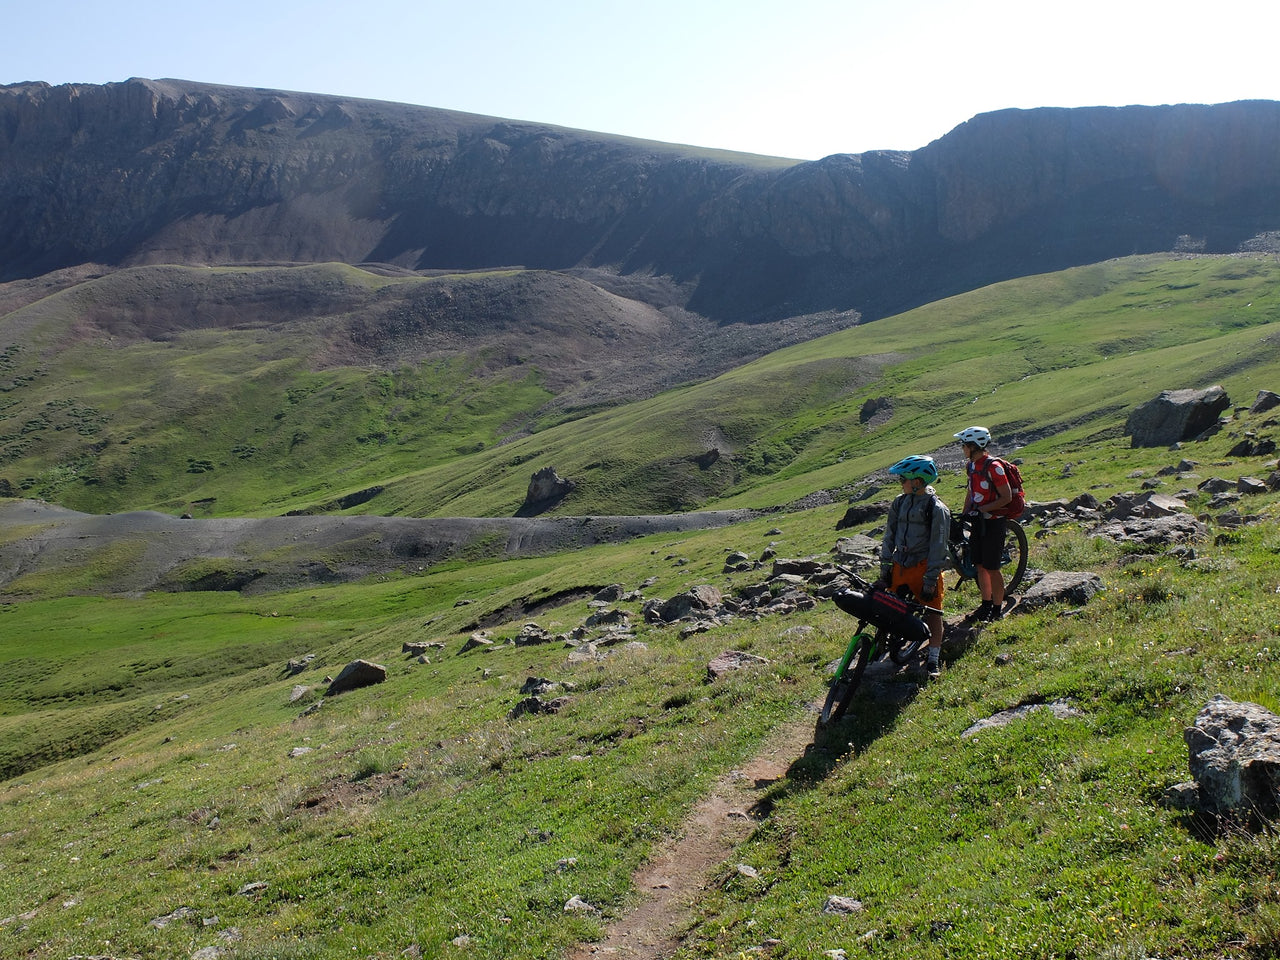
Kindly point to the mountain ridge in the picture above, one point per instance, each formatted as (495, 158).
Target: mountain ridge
(174, 171)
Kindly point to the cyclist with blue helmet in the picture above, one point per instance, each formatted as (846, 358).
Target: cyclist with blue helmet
(914, 551)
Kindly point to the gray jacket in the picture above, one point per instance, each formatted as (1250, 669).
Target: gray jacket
(916, 530)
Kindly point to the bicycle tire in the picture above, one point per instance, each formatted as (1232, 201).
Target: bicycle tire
(846, 682)
(1015, 546)
(1013, 569)
(901, 652)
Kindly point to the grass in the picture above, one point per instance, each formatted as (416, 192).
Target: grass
(452, 785)
(242, 421)
(422, 814)
(1045, 838)
(164, 791)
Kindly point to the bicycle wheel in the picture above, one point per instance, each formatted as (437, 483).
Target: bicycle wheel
(904, 651)
(961, 568)
(846, 680)
(1014, 562)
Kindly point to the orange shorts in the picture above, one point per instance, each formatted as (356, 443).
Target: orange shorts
(913, 578)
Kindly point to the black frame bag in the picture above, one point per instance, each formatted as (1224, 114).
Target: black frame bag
(884, 610)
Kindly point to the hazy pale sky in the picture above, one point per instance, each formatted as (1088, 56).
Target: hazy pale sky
(790, 78)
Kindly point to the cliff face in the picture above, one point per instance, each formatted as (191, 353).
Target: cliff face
(176, 172)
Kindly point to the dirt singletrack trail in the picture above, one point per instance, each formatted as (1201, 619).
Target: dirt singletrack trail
(672, 880)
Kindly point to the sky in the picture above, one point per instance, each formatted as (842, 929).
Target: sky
(791, 78)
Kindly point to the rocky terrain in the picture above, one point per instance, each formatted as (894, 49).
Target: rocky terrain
(279, 552)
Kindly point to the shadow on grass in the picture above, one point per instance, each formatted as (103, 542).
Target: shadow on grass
(878, 702)
(886, 690)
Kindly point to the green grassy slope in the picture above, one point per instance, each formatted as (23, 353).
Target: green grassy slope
(231, 407)
(1041, 356)
(417, 812)
(238, 422)
(155, 765)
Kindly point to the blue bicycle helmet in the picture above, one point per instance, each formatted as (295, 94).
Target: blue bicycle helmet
(916, 468)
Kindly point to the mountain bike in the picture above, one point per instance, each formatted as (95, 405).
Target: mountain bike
(887, 624)
(1013, 563)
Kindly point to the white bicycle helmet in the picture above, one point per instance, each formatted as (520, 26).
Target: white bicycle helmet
(978, 436)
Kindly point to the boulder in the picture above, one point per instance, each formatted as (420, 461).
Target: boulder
(537, 705)
(1215, 485)
(732, 660)
(546, 489)
(842, 905)
(476, 641)
(1037, 509)
(797, 567)
(1265, 401)
(357, 674)
(1234, 755)
(1176, 415)
(1061, 709)
(1234, 519)
(858, 548)
(861, 513)
(1148, 504)
(532, 634)
(1177, 528)
(537, 686)
(1161, 505)
(1061, 586)
(1251, 447)
(608, 618)
(695, 601)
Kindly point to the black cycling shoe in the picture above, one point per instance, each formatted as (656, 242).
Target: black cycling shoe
(982, 613)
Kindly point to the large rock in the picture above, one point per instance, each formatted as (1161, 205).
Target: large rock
(697, 600)
(546, 489)
(1153, 531)
(1266, 400)
(537, 705)
(857, 549)
(1061, 586)
(1176, 415)
(730, 661)
(1234, 755)
(860, 513)
(1148, 504)
(357, 674)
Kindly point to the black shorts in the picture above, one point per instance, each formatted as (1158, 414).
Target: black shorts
(986, 541)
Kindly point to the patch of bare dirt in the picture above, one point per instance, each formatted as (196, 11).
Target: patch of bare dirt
(343, 793)
(672, 881)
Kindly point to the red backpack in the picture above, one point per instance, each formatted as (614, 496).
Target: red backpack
(1018, 505)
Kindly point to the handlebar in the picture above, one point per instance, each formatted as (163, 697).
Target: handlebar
(863, 585)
